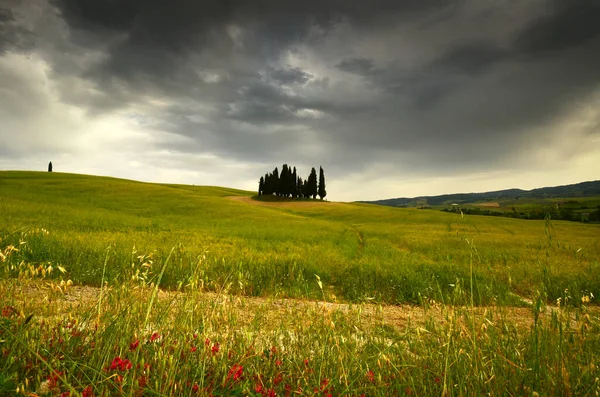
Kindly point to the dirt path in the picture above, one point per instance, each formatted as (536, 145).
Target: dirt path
(397, 316)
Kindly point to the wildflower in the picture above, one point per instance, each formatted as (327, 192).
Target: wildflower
(371, 376)
(258, 388)
(155, 336)
(206, 342)
(271, 393)
(278, 363)
(236, 372)
(8, 311)
(585, 299)
(65, 394)
(195, 388)
(306, 362)
(87, 392)
(278, 379)
(193, 349)
(134, 345)
(215, 348)
(558, 301)
(122, 365)
(142, 381)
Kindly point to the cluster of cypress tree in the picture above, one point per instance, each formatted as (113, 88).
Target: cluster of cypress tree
(289, 184)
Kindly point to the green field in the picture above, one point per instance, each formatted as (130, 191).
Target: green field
(115, 287)
(360, 252)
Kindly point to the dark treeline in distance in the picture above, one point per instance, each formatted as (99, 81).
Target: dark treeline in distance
(289, 184)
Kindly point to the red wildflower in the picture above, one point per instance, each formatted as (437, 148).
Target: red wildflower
(437, 380)
(87, 392)
(193, 349)
(215, 348)
(65, 394)
(206, 342)
(277, 380)
(271, 393)
(278, 363)
(236, 372)
(142, 381)
(195, 388)
(8, 311)
(371, 376)
(258, 388)
(154, 336)
(306, 362)
(134, 345)
(118, 363)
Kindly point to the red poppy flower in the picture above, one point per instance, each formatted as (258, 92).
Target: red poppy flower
(122, 365)
(154, 336)
(215, 348)
(87, 392)
(371, 376)
(236, 372)
(134, 345)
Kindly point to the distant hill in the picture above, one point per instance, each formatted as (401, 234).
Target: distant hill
(583, 189)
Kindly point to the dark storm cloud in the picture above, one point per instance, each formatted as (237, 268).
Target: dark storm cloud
(355, 82)
(569, 24)
(360, 66)
(292, 75)
(13, 36)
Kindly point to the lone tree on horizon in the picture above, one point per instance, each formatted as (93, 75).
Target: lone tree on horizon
(50, 167)
(322, 191)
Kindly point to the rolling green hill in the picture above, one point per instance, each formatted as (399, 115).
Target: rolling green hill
(223, 239)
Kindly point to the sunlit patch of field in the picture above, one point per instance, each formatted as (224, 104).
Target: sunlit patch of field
(494, 204)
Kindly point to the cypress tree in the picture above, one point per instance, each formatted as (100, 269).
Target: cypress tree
(312, 183)
(293, 182)
(261, 186)
(276, 181)
(50, 167)
(283, 180)
(299, 188)
(322, 191)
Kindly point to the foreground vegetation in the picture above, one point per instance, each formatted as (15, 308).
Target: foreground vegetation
(114, 287)
(131, 339)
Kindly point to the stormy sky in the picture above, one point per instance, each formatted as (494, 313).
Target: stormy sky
(392, 97)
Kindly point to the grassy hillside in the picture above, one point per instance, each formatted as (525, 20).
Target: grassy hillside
(129, 338)
(358, 251)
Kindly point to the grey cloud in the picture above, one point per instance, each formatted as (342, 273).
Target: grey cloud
(360, 66)
(224, 76)
(13, 36)
(569, 24)
(292, 75)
